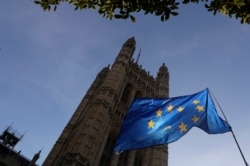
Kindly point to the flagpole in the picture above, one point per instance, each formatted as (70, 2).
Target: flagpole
(231, 130)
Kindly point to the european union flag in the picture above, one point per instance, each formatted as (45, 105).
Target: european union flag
(152, 121)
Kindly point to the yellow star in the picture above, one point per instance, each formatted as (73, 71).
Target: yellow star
(158, 113)
(200, 108)
(180, 109)
(195, 119)
(195, 102)
(183, 127)
(151, 124)
(170, 108)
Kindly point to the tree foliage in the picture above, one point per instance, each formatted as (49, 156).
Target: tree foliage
(123, 9)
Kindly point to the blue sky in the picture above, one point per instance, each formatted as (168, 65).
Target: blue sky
(48, 60)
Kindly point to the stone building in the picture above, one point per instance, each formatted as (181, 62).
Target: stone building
(89, 137)
(8, 155)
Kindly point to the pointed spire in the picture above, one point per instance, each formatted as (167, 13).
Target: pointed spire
(138, 56)
(35, 158)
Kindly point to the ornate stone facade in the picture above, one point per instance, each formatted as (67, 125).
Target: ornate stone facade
(89, 136)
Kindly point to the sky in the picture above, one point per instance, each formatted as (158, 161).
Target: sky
(48, 60)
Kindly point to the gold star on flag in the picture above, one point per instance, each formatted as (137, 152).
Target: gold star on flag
(158, 113)
(151, 124)
(180, 109)
(200, 108)
(195, 119)
(183, 127)
(170, 108)
(195, 102)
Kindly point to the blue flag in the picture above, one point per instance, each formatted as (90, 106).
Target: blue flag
(152, 121)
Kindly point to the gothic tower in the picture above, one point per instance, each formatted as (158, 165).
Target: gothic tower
(89, 137)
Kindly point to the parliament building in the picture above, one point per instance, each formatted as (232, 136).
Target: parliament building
(89, 137)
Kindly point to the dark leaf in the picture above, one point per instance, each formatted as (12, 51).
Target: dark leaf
(174, 13)
(118, 16)
(37, 2)
(132, 18)
(167, 16)
(162, 18)
(185, 1)
(207, 6)
(158, 13)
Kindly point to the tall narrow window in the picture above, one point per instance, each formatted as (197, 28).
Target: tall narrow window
(107, 153)
(126, 93)
(138, 159)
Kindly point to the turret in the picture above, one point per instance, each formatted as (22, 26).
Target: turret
(10, 137)
(35, 158)
(116, 75)
(89, 137)
(162, 81)
(126, 52)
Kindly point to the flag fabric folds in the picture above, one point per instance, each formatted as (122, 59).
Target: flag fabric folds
(152, 121)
